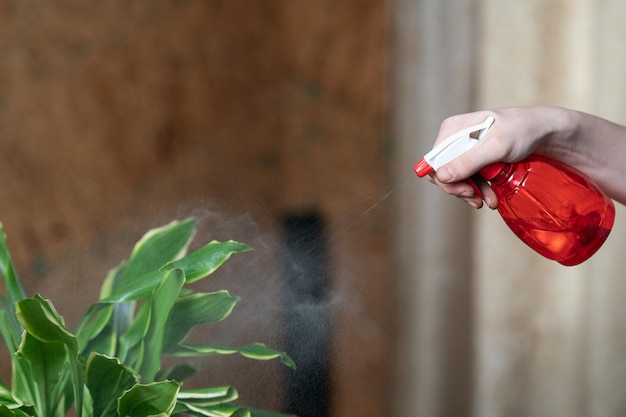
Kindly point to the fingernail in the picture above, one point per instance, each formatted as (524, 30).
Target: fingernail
(444, 174)
(491, 203)
(476, 204)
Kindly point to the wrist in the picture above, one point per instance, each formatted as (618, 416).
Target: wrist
(565, 129)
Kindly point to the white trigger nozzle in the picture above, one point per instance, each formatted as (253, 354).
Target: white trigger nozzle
(457, 144)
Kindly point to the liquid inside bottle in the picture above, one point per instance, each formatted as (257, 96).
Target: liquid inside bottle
(553, 208)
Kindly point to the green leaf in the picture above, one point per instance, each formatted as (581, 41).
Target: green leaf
(46, 364)
(107, 379)
(19, 375)
(111, 278)
(177, 372)
(23, 385)
(134, 287)
(14, 291)
(219, 410)
(162, 302)
(93, 324)
(10, 407)
(144, 400)
(256, 351)
(104, 343)
(87, 409)
(41, 320)
(205, 397)
(5, 394)
(158, 247)
(139, 276)
(18, 411)
(220, 407)
(206, 260)
(195, 309)
(134, 337)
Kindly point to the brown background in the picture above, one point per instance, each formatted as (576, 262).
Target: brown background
(119, 116)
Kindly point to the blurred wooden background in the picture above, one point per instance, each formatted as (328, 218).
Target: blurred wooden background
(116, 117)
(119, 116)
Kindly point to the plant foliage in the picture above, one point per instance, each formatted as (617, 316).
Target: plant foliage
(111, 365)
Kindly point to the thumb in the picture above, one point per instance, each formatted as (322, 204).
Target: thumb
(462, 167)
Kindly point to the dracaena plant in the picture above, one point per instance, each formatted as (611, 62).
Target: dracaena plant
(112, 364)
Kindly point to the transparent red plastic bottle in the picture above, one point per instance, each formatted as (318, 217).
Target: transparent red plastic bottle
(552, 207)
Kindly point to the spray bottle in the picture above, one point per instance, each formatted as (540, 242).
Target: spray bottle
(553, 208)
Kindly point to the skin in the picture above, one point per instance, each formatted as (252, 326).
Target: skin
(593, 145)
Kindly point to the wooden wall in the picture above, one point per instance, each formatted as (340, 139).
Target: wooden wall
(120, 116)
(498, 330)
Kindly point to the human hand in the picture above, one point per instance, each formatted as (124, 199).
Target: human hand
(516, 133)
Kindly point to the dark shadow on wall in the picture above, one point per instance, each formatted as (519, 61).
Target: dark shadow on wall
(307, 317)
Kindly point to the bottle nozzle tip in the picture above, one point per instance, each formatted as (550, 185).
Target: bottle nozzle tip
(422, 168)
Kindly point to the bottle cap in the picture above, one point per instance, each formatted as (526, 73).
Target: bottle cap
(451, 148)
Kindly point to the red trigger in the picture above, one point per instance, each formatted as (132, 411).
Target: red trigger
(475, 187)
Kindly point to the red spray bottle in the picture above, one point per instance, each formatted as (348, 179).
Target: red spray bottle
(553, 208)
